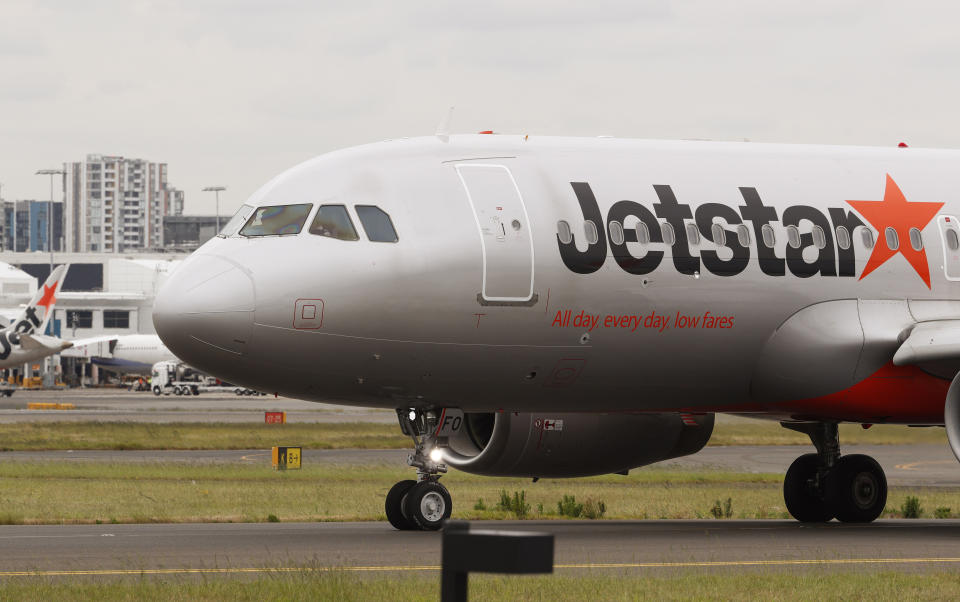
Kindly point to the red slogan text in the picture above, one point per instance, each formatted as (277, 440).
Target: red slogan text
(566, 318)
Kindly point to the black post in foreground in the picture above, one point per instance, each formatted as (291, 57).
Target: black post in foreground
(489, 552)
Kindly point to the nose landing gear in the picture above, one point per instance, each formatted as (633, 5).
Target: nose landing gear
(824, 485)
(423, 504)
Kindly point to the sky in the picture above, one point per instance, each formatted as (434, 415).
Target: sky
(232, 92)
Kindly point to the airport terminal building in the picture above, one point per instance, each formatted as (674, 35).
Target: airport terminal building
(103, 294)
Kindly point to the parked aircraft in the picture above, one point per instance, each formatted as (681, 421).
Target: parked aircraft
(559, 307)
(20, 341)
(125, 353)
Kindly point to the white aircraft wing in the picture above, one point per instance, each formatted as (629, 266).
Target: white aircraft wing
(92, 347)
(94, 340)
(929, 342)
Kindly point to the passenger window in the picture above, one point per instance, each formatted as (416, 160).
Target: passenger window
(743, 235)
(769, 237)
(819, 237)
(893, 241)
(952, 242)
(235, 222)
(277, 220)
(693, 234)
(719, 235)
(564, 233)
(843, 237)
(333, 221)
(867, 238)
(616, 232)
(643, 233)
(376, 223)
(590, 231)
(669, 236)
(916, 239)
(793, 237)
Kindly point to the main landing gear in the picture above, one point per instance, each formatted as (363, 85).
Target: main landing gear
(824, 485)
(423, 504)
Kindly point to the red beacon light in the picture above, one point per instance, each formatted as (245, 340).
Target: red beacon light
(486, 132)
(902, 145)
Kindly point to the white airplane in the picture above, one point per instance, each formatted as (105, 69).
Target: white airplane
(22, 341)
(559, 307)
(125, 353)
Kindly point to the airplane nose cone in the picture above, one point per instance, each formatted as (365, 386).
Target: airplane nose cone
(204, 312)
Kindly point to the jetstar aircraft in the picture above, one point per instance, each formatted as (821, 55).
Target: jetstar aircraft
(20, 342)
(560, 307)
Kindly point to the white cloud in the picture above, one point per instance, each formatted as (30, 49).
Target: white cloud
(232, 92)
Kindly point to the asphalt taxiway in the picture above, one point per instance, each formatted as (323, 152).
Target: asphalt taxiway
(121, 405)
(651, 546)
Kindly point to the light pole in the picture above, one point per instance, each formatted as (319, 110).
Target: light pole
(216, 190)
(51, 173)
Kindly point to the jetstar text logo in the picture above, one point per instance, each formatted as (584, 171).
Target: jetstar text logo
(827, 258)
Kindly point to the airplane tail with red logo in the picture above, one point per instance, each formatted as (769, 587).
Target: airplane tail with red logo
(38, 312)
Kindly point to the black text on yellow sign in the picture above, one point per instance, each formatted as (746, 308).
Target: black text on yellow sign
(286, 458)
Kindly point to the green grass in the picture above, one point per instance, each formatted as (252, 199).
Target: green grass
(744, 431)
(88, 492)
(363, 435)
(687, 585)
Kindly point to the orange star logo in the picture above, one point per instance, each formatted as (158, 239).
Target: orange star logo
(48, 299)
(894, 211)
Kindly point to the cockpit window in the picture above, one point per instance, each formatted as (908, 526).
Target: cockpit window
(277, 220)
(236, 221)
(333, 221)
(376, 223)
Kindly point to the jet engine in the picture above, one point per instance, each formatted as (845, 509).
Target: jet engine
(951, 416)
(519, 444)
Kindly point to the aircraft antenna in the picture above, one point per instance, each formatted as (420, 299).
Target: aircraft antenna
(443, 129)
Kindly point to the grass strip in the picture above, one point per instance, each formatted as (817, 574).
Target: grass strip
(687, 585)
(362, 435)
(767, 432)
(150, 493)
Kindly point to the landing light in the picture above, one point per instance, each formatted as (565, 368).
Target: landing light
(412, 415)
(436, 454)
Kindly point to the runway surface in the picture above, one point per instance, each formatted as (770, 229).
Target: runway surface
(905, 465)
(579, 546)
(120, 405)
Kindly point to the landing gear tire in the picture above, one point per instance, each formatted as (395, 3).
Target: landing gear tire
(427, 505)
(803, 500)
(857, 489)
(156, 390)
(394, 506)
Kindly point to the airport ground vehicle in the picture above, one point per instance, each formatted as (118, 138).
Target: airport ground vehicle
(535, 306)
(174, 377)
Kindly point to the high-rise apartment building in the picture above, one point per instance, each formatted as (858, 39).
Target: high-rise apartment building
(115, 204)
(25, 225)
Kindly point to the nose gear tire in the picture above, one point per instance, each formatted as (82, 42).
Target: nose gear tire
(804, 502)
(857, 489)
(394, 506)
(427, 505)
